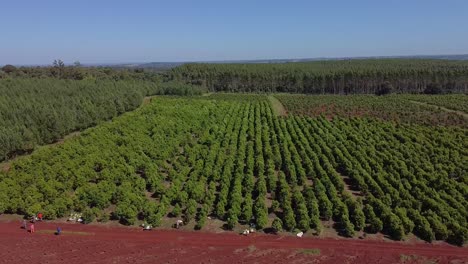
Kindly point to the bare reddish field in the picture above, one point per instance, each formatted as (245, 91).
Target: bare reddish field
(100, 244)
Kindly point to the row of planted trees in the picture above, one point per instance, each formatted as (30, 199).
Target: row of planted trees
(41, 111)
(392, 166)
(396, 108)
(371, 76)
(237, 161)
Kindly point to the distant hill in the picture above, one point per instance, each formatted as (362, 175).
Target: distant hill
(155, 66)
(162, 66)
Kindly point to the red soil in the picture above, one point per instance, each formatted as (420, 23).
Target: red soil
(98, 244)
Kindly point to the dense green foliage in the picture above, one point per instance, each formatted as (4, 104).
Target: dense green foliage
(453, 102)
(229, 158)
(377, 76)
(40, 111)
(59, 71)
(399, 108)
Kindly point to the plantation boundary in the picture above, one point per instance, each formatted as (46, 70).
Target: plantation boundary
(465, 115)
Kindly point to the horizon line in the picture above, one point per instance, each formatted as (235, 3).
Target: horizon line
(248, 60)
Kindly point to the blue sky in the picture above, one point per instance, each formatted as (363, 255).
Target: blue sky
(37, 32)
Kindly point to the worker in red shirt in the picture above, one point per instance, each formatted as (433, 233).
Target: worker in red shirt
(39, 216)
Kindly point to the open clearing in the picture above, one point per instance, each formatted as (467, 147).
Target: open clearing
(277, 106)
(131, 245)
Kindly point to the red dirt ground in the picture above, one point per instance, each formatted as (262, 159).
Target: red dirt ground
(96, 244)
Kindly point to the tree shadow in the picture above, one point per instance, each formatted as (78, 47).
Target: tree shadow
(352, 184)
(244, 222)
(270, 230)
(339, 229)
(368, 230)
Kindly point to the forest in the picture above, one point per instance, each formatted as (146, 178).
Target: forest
(370, 76)
(231, 158)
(41, 105)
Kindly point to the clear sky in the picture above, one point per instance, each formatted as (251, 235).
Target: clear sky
(101, 31)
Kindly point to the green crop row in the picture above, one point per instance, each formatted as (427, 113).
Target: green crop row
(236, 161)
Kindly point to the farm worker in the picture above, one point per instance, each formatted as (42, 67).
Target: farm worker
(31, 228)
(178, 223)
(39, 216)
(24, 225)
(59, 230)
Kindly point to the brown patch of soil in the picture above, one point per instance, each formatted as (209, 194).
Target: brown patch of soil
(132, 245)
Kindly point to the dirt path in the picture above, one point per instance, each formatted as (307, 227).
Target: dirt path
(95, 244)
(465, 115)
(277, 106)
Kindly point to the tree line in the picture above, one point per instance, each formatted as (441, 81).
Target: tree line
(58, 70)
(370, 76)
(37, 111)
